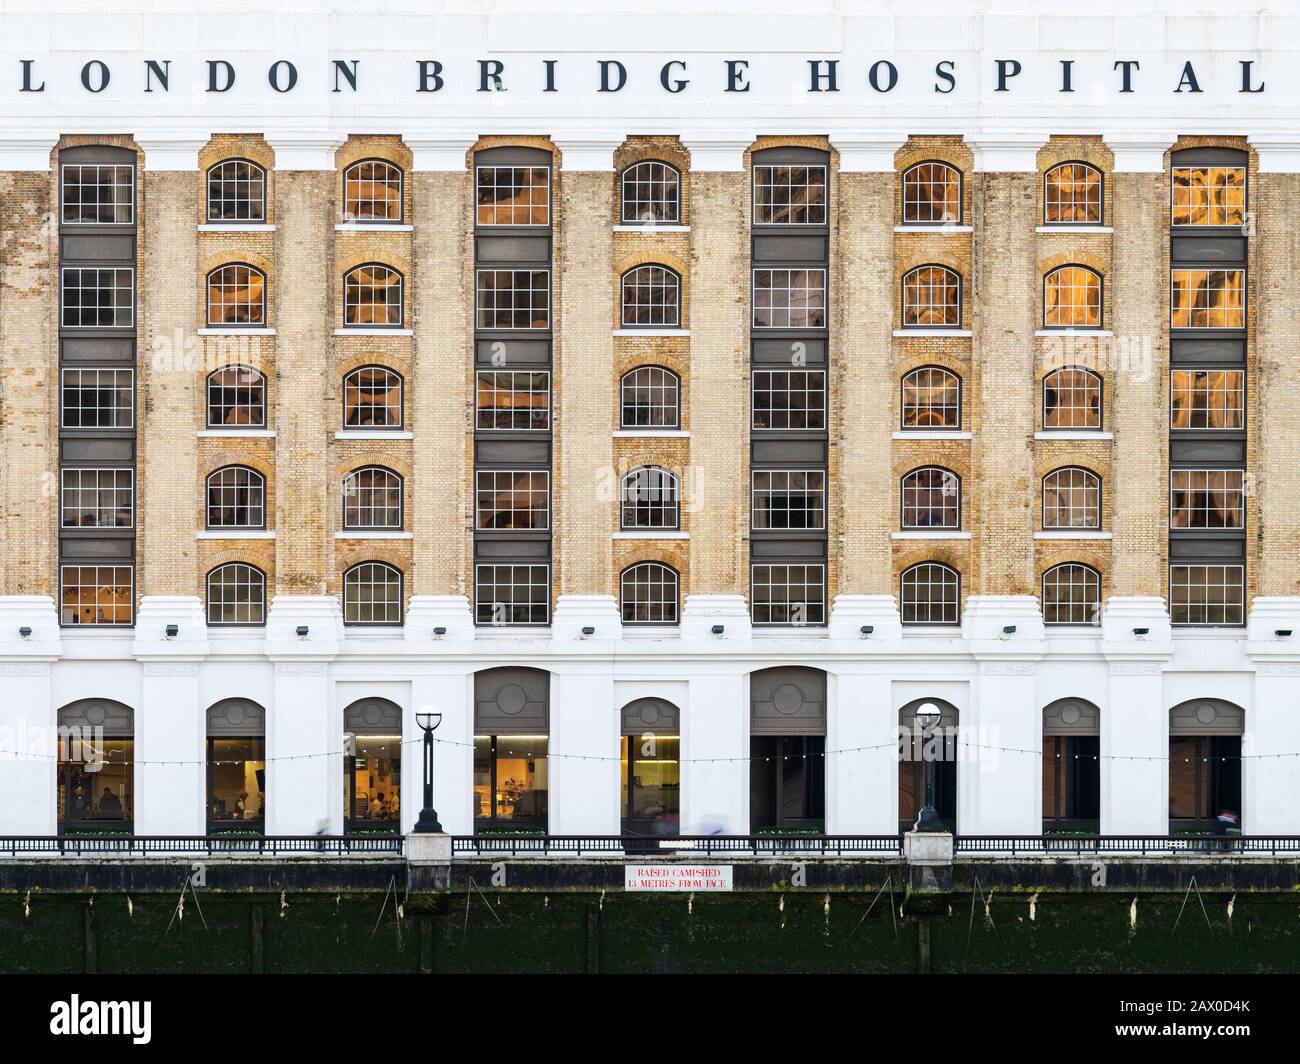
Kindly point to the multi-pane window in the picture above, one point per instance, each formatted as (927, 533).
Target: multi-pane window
(372, 594)
(1072, 195)
(1072, 399)
(931, 297)
(649, 499)
(236, 498)
(236, 594)
(236, 192)
(788, 594)
(512, 594)
(372, 295)
(648, 398)
(1071, 499)
(1207, 398)
(372, 499)
(236, 296)
(236, 398)
(1207, 594)
(789, 299)
(514, 499)
(789, 195)
(1072, 298)
(651, 297)
(649, 594)
(372, 192)
(788, 499)
(789, 399)
(96, 594)
(513, 195)
(931, 194)
(1207, 299)
(931, 499)
(514, 299)
(97, 498)
(1207, 498)
(98, 194)
(930, 593)
(1209, 195)
(96, 297)
(651, 193)
(1071, 595)
(931, 399)
(512, 399)
(98, 399)
(372, 398)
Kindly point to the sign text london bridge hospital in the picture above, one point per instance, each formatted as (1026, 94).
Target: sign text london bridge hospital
(728, 76)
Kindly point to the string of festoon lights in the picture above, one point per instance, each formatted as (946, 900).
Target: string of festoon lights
(9, 754)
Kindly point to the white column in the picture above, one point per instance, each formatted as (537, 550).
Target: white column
(1001, 786)
(28, 748)
(170, 751)
(715, 793)
(583, 748)
(861, 754)
(1271, 784)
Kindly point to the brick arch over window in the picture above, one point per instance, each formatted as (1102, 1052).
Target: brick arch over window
(930, 398)
(373, 593)
(1073, 298)
(650, 396)
(930, 594)
(649, 593)
(1072, 398)
(235, 192)
(235, 594)
(373, 499)
(1071, 594)
(373, 191)
(930, 497)
(1074, 194)
(235, 498)
(650, 297)
(650, 193)
(236, 396)
(373, 296)
(236, 296)
(932, 297)
(932, 193)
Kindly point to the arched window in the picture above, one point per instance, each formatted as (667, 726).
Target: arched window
(372, 398)
(372, 594)
(236, 398)
(236, 498)
(1072, 399)
(1071, 594)
(96, 766)
(1072, 195)
(237, 296)
(931, 298)
(236, 192)
(931, 399)
(651, 297)
(651, 193)
(649, 398)
(931, 498)
(372, 295)
(1071, 499)
(1072, 298)
(649, 594)
(372, 499)
(372, 192)
(930, 593)
(650, 497)
(932, 194)
(236, 594)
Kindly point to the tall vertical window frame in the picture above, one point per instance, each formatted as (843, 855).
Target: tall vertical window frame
(1207, 498)
(651, 193)
(512, 593)
(1207, 195)
(508, 400)
(98, 297)
(788, 593)
(514, 500)
(788, 399)
(1207, 297)
(97, 398)
(1209, 399)
(1074, 193)
(98, 194)
(101, 595)
(787, 499)
(372, 192)
(513, 298)
(1207, 595)
(785, 298)
(236, 193)
(97, 497)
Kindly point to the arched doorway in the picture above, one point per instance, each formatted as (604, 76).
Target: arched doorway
(1071, 765)
(787, 750)
(915, 751)
(372, 766)
(96, 767)
(649, 749)
(512, 714)
(236, 767)
(1205, 766)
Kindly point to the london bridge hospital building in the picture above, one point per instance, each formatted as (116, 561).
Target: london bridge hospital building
(674, 425)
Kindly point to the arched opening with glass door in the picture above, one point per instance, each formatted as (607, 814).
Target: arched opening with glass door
(649, 748)
(512, 714)
(787, 751)
(1205, 766)
(1071, 766)
(372, 767)
(236, 767)
(96, 768)
(918, 747)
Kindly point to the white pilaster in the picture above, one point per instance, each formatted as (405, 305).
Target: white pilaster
(1006, 152)
(441, 154)
(175, 152)
(170, 749)
(866, 155)
(26, 153)
(1138, 153)
(861, 754)
(583, 765)
(723, 152)
(593, 153)
(304, 151)
(449, 691)
(1271, 784)
(715, 755)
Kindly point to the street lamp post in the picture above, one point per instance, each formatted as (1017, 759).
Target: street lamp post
(927, 716)
(428, 822)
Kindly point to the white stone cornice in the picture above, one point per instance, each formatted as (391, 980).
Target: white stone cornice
(304, 151)
(587, 153)
(26, 153)
(1138, 153)
(442, 154)
(866, 155)
(718, 153)
(1279, 153)
(175, 153)
(1006, 153)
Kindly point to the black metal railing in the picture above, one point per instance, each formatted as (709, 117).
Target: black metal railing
(707, 845)
(203, 845)
(1142, 845)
